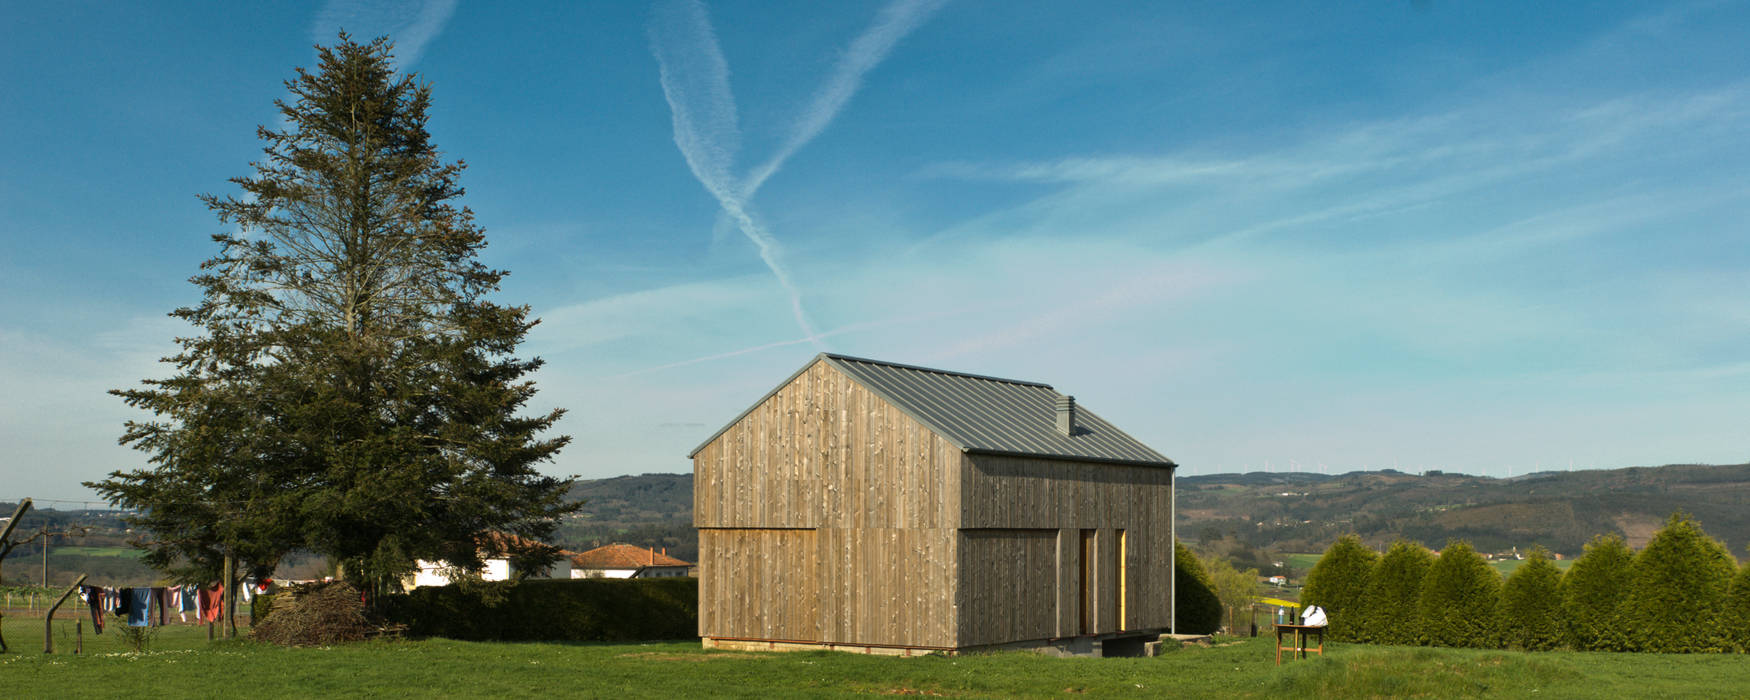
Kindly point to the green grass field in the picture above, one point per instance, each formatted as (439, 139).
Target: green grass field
(181, 663)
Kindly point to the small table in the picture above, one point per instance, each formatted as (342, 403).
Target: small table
(1301, 633)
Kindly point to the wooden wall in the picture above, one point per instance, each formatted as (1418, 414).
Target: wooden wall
(884, 586)
(877, 494)
(1023, 496)
(1014, 576)
(825, 452)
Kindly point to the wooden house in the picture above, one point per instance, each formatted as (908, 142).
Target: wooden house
(885, 508)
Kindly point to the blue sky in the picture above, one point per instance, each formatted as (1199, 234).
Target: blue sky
(1483, 237)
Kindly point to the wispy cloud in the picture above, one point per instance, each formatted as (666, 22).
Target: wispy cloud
(410, 23)
(895, 21)
(695, 82)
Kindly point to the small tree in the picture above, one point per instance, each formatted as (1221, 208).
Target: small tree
(1195, 604)
(1738, 609)
(1592, 593)
(1677, 590)
(1389, 614)
(1338, 583)
(1459, 600)
(1235, 589)
(1531, 604)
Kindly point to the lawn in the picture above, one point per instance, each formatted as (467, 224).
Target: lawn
(181, 663)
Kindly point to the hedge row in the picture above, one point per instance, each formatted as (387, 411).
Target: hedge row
(582, 610)
(1683, 593)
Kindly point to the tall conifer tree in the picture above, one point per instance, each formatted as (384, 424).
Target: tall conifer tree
(351, 389)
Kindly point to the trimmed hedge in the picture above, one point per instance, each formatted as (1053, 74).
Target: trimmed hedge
(1738, 609)
(1531, 605)
(1460, 598)
(1592, 592)
(572, 610)
(1195, 606)
(1338, 583)
(1389, 613)
(1677, 591)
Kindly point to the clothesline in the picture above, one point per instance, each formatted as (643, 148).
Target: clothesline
(136, 603)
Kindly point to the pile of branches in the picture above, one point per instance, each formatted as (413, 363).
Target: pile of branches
(320, 614)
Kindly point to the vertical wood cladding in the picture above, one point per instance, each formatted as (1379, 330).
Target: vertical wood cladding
(1025, 494)
(828, 515)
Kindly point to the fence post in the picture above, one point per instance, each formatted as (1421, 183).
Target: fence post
(49, 619)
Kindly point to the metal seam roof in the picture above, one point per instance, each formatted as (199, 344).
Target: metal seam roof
(981, 414)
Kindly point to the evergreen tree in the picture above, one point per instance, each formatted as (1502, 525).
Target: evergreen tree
(1592, 592)
(1531, 604)
(1738, 609)
(351, 390)
(1195, 604)
(1389, 610)
(1338, 583)
(1459, 600)
(1677, 590)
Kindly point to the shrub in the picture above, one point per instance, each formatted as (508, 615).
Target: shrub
(607, 610)
(1459, 597)
(1738, 609)
(1389, 614)
(1677, 590)
(1592, 593)
(1338, 583)
(1196, 609)
(1531, 605)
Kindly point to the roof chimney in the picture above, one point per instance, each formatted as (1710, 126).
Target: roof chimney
(1066, 415)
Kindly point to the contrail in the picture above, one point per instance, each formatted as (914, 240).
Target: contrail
(695, 82)
(694, 74)
(895, 21)
(411, 24)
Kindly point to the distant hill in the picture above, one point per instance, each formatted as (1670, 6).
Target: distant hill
(1305, 512)
(647, 510)
(1559, 510)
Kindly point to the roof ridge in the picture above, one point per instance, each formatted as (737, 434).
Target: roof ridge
(919, 368)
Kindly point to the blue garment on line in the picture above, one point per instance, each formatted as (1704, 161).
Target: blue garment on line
(139, 607)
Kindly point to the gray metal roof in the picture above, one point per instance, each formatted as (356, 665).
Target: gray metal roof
(985, 415)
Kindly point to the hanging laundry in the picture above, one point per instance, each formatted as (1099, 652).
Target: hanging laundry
(124, 601)
(189, 603)
(94, 597)
(211, 599)
(140, 607)
(161, 598)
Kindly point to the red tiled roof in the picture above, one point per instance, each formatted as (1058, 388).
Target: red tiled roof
(623, 556)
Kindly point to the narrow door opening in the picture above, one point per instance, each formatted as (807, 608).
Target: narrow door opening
(1123, 581)
(1087, 597)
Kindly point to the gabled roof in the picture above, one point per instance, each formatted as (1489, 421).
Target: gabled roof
(983, 415)
(623, 556)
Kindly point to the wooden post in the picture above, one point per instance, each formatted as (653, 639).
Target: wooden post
(2, 636)
(209, 631)
(78, 637)
(228, 601)
(49, 619)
